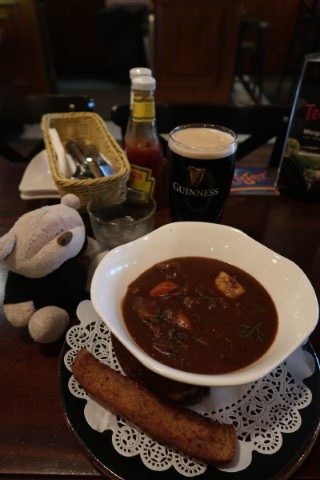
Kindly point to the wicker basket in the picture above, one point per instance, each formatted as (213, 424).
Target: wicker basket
(88, 127)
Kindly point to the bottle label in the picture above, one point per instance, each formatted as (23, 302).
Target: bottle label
(141, 180)
(143, 110)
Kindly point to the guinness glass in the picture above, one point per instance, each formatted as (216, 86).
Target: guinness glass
(201, 161)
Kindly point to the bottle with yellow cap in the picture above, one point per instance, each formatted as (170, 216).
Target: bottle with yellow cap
(138, 72)
(133, 73)
(142, 143)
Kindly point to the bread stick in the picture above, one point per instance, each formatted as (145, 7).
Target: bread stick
(164, 421)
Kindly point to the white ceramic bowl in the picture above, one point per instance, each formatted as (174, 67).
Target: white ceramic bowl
(292, 292)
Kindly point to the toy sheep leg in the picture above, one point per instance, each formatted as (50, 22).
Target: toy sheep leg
(48, 324)
(19, 314)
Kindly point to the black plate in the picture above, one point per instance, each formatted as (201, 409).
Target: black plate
(278, 466)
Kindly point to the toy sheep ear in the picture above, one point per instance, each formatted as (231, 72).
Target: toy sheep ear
(7, 243)
(71, 200)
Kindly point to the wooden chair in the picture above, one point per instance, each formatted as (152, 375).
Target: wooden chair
(250, 56)
(305, 39)
(260, 122)
(18, 110)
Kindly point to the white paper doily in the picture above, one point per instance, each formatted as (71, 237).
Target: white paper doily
(261, 411)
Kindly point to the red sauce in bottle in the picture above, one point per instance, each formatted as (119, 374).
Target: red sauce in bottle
(142, 143)
(146, 154)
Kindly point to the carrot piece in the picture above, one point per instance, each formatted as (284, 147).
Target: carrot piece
(163, 288)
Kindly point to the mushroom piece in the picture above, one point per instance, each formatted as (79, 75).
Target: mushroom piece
(228, 285)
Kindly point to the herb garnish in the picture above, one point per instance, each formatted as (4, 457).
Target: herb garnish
(249, 331)
(204, 292)
(164, 314)
(257, 309)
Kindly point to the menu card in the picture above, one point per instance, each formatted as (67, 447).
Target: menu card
(299, 172)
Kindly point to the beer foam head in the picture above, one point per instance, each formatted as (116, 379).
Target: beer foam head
(203, 143)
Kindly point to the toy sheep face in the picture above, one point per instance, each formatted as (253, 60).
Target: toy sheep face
(42, 240)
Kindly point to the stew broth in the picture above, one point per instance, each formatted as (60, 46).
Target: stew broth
(200, 315)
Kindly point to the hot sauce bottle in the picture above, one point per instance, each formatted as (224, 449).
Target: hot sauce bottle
(142, 143)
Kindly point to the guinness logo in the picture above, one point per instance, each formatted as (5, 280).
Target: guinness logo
(196, 175)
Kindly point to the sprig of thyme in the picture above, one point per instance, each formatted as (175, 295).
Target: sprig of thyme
(164, 315)
(204, 292)
(251, 331)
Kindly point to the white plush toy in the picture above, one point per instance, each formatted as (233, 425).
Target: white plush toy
(46, 279)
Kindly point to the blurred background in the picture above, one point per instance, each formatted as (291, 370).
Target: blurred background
(203, 51)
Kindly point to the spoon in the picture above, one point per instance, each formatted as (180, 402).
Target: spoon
(98, 164)
(77, 156)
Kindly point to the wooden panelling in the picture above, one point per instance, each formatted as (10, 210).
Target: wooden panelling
(195, 45)
(281, 16)
(23, 64)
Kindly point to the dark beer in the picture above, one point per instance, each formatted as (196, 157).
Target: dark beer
(201, 162)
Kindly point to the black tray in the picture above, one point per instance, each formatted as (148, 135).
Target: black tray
(278, 466)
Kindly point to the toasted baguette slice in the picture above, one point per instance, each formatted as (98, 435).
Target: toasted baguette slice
(164, 421)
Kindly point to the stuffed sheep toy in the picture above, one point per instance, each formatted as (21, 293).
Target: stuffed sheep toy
(46, 280)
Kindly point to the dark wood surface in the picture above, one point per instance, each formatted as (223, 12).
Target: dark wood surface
(25, 61)
(201, 70)
(35, 441)
(281, 17)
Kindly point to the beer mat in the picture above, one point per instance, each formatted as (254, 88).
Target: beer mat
(254, 181)
(276, 418)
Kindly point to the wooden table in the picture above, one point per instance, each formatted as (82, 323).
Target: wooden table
(35, 441)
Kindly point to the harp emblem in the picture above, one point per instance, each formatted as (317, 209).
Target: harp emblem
(196, 175)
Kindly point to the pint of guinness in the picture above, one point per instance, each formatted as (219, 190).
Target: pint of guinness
(201, 162)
